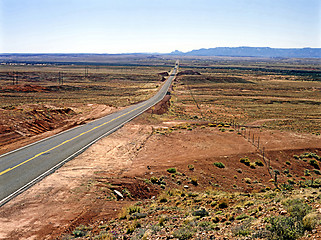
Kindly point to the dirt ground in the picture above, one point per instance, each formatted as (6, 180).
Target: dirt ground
(82, 191)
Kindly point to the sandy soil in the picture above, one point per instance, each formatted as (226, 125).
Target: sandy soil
(80, 192)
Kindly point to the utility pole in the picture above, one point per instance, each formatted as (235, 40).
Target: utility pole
(14, 78)
(86, 72)
(61, 78)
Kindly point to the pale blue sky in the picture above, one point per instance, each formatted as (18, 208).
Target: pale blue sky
(119, 26)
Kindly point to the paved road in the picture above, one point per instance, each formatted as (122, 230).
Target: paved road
(21, 168)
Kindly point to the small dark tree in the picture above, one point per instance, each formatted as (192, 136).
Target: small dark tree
(276, 173)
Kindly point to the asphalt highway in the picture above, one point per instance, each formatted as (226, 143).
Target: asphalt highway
(25, 166)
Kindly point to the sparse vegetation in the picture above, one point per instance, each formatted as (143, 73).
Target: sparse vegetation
(252, 207)
(317, 171)
(183, 233)
(194, 181)
(246, 161)
(314, 163)
(219, 164)
(191, 167)
(282, 227)
(172, 170)
(248, 180)
(221, 212)
(307, 172)
(259, 163)
(311, 220)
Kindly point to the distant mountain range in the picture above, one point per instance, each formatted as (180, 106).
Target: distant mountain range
(254, 52)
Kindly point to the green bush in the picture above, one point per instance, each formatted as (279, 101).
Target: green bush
(242, 229)
(248, 203)
(200, 213)
(183, 233)
(259, 163)
(246, 161)
(162, 219)
(163, 199)
(194, 181)
(191, 167)
(127, 211)
(297, 208)
(215, 219)
(223, 203)
(172, 170)
(252, 165)
(307, 172)
(248, 180)
(310, 155)
(316, 171)
(311, 220)
(154, 179)
(79, 233)
(287, 187)
(314, 163)
(219, 165)
(284, 228)
(291, 181)
(133, 209)
(132, 226)
(242, 216)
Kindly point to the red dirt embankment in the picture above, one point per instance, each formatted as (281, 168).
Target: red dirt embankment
(21, 125)
(161, 107)
(36, 121)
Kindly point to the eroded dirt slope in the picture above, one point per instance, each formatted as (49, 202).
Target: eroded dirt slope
(25, 124)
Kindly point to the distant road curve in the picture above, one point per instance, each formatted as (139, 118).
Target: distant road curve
(21, 168)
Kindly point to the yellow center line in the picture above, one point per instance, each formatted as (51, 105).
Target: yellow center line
(69, 140)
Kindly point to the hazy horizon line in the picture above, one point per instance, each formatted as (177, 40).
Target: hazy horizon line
(120, 53)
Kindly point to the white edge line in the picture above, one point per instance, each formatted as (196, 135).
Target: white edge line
(34, 181)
